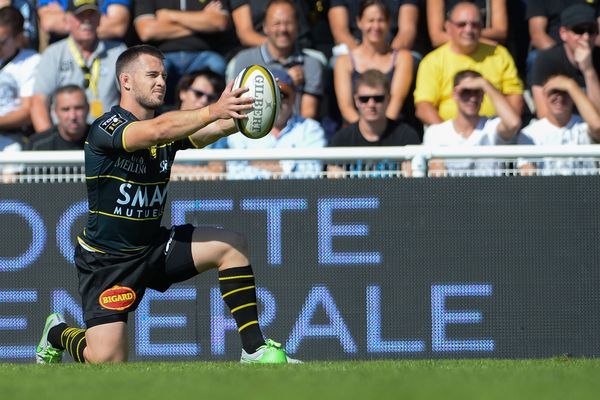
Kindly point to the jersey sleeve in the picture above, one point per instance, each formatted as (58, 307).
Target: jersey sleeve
(108, 132)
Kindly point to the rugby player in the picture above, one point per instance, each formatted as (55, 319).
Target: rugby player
(124, 250)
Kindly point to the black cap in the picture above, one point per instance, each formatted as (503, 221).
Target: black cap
(79, 6)
(577, 14)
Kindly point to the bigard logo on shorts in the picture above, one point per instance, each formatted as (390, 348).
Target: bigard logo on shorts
(117, 298)
(111, 124)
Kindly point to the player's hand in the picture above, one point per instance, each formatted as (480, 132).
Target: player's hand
(231, 104)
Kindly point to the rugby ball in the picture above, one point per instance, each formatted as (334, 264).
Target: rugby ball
(263, 88)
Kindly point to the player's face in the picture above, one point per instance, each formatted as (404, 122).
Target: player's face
(149, 82)
(371, 102)
(374, 24)
(281, 26)
(464, 27)
(71, 110)
(200, 94)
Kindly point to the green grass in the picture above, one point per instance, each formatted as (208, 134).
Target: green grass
(564, 379)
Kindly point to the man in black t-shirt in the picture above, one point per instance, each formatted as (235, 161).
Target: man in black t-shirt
(371, 97)
(71, 109)
(124, 250)
(575, 57)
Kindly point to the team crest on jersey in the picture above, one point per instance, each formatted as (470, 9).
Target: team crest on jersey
(117, 298)
(111, 124)
(153, 151)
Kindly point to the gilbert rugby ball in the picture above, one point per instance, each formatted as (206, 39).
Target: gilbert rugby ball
(265, 91)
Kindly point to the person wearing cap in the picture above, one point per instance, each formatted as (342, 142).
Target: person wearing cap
(289, 131)
(114, 19)
(81, 59)
(575, 57)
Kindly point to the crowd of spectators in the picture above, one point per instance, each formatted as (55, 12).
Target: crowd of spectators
(363, 72)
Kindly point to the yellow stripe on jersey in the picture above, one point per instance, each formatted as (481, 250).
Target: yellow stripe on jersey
(118, 178)
(125, 217)
(88, 247)
(226, 278)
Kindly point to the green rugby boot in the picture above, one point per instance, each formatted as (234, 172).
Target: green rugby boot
(269, 353)
(45, 353)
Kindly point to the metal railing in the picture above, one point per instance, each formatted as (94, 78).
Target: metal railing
(340, 162)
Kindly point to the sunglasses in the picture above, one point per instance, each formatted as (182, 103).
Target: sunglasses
(468, 93)
(365, 99)
(462, 24)
(200, 93)
(581, 29)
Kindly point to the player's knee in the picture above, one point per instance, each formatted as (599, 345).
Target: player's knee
(239, 242)
(103, 355)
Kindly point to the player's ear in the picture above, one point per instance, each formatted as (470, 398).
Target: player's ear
(125, 81)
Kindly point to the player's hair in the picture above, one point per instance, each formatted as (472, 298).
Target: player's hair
(186, 81)
(364, 4)
(373, 78)
(465, 73)
(12, 18)
(132, 54)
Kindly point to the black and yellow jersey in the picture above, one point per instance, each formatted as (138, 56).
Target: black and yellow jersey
(127, 190)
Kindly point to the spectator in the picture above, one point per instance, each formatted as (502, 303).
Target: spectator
(290, 131)
(470, 129)
(373, 128)
(561, 126)
(71, 109)
(433, 94)
(27, 8)
(544, 20)
(80, 59)
(494, 20)
(281, 52)
(115, 18)
(375, 53)
(194, 91)
(575, 56)
(343, 16)
(183, 32)
(17, 68)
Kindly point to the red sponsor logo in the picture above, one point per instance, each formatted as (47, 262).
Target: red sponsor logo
(117, 298)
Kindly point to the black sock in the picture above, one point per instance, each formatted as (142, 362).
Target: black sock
(73, 340)
(54, 335)
(239, 293)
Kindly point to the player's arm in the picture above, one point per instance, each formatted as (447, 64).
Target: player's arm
(176, 125)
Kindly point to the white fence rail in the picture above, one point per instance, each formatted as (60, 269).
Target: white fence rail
(350, 162)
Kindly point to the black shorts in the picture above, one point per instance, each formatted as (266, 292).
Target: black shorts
(112, 285)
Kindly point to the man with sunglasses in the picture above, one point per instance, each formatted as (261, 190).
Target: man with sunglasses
(468, 128)
(81, 59)
(576, 57)
(434, 101)
(371, 97)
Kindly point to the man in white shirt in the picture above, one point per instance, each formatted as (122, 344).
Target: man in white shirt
(17, 67)
(562, 126)
(468, 128)
(290, 131)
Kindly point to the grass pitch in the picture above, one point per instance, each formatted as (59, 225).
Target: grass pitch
(444, 379)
